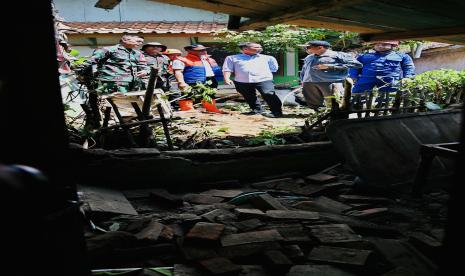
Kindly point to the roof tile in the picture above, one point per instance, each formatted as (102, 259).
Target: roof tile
(144, 27)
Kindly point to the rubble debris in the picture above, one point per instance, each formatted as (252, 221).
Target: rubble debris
(251, 237)
(185, 270)
(202, 199)
(279, 262)
(364, 199)
(295, 227)
(151, 232)
(401, 254)
(320, 178)
(334, 233)
(253, 270)
(294, 252)
(426, 244)
(339, 255)
(106, 201)
(267, 202)
(368, 213)
(227, 194)
(211, 216)
(245, 213)
(192, 253)
(220, 265)
(248, 225)
(323, 204)
(317, 270)
(271, 184)
(246, 250)
(205, 231)
(292, 233)
(163, 197)
(286, 214)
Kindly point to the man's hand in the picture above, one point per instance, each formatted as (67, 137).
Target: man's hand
(182, 85)
(322, 67)
(404, 81)
(228, 81)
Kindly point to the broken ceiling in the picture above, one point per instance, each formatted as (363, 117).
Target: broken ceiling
(440, 21)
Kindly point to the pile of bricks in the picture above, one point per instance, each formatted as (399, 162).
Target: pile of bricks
(311, 225)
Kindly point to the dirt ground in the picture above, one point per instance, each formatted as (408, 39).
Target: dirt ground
(232, 124)
(229, 129)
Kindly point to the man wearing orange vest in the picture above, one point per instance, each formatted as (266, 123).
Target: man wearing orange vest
(195, 67)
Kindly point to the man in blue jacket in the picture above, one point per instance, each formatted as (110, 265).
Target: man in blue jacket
(384, 69)
(323, 72)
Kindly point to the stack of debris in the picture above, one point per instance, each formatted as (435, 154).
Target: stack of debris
(313, 225)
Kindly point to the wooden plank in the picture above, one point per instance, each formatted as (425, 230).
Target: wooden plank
(102, 200)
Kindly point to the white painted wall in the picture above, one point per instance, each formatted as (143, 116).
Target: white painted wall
(132, 10)
(451, 60)
(171, 42)
(290, 62)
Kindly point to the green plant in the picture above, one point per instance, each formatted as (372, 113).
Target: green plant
(270, 136)
(223, 129)
(242, 107)
(278, 38)
(441, 87)
(201, 92)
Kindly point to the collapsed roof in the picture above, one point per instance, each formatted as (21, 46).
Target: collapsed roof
(440, 21)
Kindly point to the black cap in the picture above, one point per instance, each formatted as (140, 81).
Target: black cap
(317, 43)
(195, 47)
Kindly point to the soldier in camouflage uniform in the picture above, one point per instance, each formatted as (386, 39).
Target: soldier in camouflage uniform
(153, 54)
(119, 67)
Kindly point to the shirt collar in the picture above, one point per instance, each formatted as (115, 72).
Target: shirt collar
(329, 53)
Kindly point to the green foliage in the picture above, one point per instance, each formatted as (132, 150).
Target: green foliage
(270, 137)
(442, 87)
(202, 92)
(223, 129)
(279, 38)
(242, 107)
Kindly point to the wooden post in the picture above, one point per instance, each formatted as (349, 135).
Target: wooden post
(120, 119)
(149, 93)
(397, 100)
(347, 94)
(146, 132)
(369, 104)
(106, 120)
(165, 127)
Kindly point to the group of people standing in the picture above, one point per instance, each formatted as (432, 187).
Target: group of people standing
(324, 70)
(122, 67)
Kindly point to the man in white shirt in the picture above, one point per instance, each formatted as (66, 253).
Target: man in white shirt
(254, 71)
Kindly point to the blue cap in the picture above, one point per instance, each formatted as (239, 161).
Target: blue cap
(317, 43)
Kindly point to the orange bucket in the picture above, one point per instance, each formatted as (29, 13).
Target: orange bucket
(211, 107)
(186, 105)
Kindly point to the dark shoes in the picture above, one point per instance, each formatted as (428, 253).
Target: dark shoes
(273, 115)
(253, 112)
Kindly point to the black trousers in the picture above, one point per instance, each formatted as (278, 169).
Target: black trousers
(266, 89)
